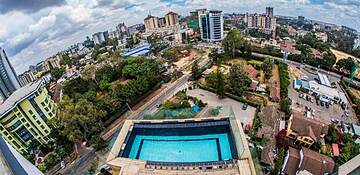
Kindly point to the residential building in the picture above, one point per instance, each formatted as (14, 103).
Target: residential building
(26, 78)
(162, 22)
(54, 62)
(99, 37)
(151, 23)
(211, 25)
(305, 131)
(306, 161)
(171, 19)
(12, 162)
(122, 31)
(8, 79)
(322, 36)
(266, 22)
(25, 115)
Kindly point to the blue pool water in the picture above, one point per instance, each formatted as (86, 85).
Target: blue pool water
(192, 148)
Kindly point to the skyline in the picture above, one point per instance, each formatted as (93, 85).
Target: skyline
(32, 33)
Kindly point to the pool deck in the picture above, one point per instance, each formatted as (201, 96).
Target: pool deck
(125, 166)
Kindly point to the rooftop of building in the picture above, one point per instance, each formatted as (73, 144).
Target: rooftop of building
(311, 161)
(308, 127)
(241, 165)
(18, 96)
(11, 162)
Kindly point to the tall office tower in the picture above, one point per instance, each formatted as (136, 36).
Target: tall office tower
(99, 37)
(8, 79)
(12, 162)
(122, 30)
(151, 23)
(269, 12)
(171, 19)
(211, 26)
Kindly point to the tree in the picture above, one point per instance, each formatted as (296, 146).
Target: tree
(285, 105)
(238, 80)
(235, 43)
(56, 73)
(328, 61)
(66, 60)
(195, 71)
(267, 67)
(345, 64)
(331, 137)
(80, 120)
(220, 84)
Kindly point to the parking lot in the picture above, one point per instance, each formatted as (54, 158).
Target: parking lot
(321, 112)
(245, 116)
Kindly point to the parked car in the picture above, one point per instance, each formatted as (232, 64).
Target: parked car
(327, 105)
(301, 95)
(322, 103)
(244, 107)
(317, 102)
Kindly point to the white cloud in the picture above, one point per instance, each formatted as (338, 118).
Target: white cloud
(29, 38)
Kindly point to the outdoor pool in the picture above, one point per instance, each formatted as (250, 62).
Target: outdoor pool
(176, 143)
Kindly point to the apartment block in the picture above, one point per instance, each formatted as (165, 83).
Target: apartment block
(25, 115)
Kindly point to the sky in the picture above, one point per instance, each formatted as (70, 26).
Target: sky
(32, 30)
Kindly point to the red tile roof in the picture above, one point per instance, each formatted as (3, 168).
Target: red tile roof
(335, 148)
(252, 72)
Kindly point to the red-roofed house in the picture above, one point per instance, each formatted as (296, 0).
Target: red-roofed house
(252, 72)
(335, 149)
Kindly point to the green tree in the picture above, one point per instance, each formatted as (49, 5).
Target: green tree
(345, 64)
(238, 79)
(195, 71)
(220, 84)
(331, 137)
(285, 105)
(267, 67)
(80, 120)
(56, 73)
(235, 43)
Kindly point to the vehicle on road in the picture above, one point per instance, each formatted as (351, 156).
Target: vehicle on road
(158, 105)
(346, 113)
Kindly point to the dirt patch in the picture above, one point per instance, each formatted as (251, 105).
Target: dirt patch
(340, 55)
(294, 72)
(185, 60)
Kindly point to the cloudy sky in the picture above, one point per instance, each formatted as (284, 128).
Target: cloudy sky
(31, 30)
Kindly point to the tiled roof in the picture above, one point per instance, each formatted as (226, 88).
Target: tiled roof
(292, 163)
(308, 127)
(316, 163)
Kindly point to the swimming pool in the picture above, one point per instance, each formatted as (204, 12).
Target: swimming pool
(194, 142)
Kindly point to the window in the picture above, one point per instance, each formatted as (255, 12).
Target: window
(37, 121)
(46, 101)
(27, 125)
(30, 112)
(23, 120)
(16, 145)
(42, 126)
(6, 133)
(15, 125)
(9, 120)
(50, 114)
(1, 128)
(47, 109)
(42, 103)
(46, 131)
(10, 137)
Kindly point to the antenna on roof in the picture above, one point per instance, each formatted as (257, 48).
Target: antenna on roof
(149, 12)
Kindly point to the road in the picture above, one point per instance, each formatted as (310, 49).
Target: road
(331, 75)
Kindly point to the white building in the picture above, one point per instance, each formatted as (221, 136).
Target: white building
(327, 93)
(211, 26)
(99, 37)
(324, 80)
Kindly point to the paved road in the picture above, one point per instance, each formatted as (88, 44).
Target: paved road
(331, 75)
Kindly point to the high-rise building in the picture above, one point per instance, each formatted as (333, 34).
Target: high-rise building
(171, 19)
(26, 78)
(151, 23)
(12, 162)
(25, 115)
(8, 79)
(99, 37)
(161, 22)
(211, 26)
(269, 11)
(122, 30)
(266, 22)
